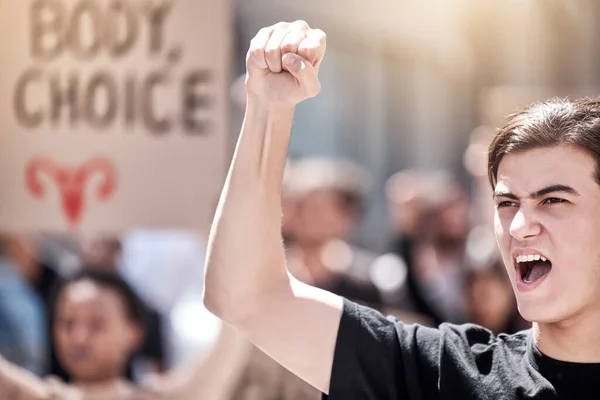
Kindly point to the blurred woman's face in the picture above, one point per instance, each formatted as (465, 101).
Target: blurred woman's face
(93, 334)
(454, 218)
(491, 300)
(321, 216)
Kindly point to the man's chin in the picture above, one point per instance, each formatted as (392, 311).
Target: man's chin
(539, 312)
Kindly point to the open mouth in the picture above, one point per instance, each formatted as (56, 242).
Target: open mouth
(532, 268)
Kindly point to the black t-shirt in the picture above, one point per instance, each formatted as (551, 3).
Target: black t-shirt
(350, 287)
(378, 358)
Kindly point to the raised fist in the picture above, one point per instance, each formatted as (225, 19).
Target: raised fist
(283, 64)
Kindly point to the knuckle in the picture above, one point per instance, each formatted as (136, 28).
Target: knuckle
(321, 35)
(255, 45)
(256, 52)
(255, 56)
(291, 42)
(310, 53)
(301, 24)
(287, 47)
(272, 52)
(281, 25)
(263, 32)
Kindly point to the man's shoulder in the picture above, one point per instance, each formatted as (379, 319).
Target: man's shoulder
(480, 340)
(477, 334)
(448, 337)
(423, 361)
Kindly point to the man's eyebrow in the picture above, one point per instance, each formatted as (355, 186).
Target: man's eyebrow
(508, 195)
(540, 193)
(554, 188)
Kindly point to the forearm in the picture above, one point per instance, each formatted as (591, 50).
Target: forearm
(246, 259)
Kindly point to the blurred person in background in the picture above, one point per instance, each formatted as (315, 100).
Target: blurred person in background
(166, 269)
(25, 255)
(24, 304)
(488, 293)
(105, 252)
(98, 326)
(430, 218)
(324, 204)
(322, 201)
(490, 300)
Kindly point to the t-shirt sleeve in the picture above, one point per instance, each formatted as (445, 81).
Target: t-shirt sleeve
(19, 384)
(379, 358)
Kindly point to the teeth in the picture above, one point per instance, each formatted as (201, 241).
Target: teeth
(530, 257)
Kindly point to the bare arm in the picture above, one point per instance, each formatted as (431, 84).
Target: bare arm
(19, 384)
(208, 376)
(247, 282)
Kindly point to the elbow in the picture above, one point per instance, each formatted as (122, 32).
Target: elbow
(215, 304)
(237, 301)
(224, 306)
(216, 297)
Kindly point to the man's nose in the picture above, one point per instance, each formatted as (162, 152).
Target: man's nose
(524, 225)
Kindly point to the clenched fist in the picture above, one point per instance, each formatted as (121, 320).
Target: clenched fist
(283, 64)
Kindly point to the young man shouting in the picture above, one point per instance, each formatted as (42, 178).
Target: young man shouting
(544, 169)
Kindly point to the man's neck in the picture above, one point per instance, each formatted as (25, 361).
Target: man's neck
(573, 340)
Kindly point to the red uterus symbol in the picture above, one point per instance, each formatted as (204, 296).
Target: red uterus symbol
(71, 182)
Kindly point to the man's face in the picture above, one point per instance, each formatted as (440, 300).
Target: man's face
(548, 207)
(93, 335)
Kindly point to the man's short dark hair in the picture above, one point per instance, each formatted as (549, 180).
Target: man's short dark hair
(109, 280)
(559, 121)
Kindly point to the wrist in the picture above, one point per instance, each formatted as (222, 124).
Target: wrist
(257, 107)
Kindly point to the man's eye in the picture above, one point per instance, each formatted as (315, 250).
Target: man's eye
(554, 200)
(504, 204)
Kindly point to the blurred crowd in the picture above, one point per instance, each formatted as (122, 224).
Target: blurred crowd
(441, 265)
(404, 87)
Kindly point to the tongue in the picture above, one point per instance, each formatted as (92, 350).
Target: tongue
(538, 270)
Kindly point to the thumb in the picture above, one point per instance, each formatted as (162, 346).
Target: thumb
(304, 72)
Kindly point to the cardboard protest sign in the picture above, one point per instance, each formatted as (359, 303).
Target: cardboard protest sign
(113, 113)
